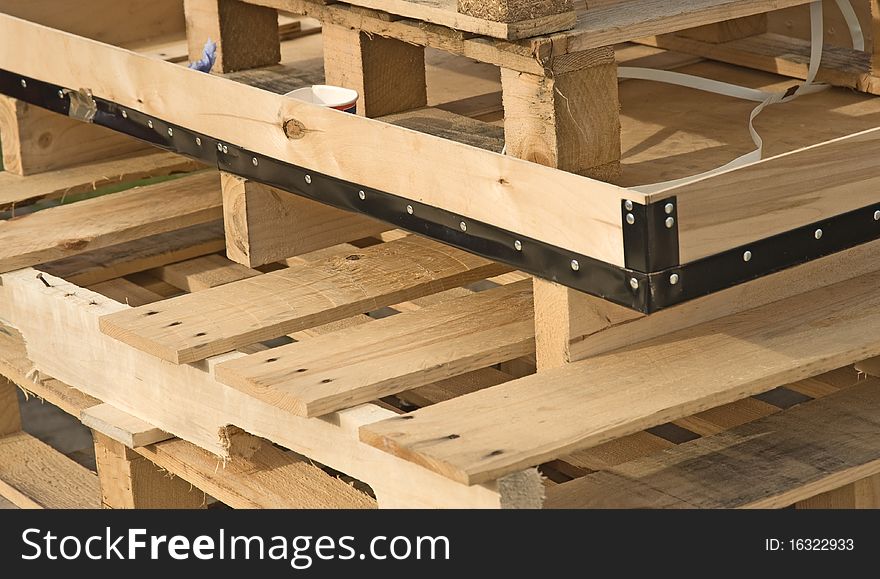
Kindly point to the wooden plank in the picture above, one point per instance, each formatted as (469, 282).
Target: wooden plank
(246, 35)
(201, 273)
(266, 478)
(776, 195)
(141, 254)
(513, 10)
(344, 146)
(10, 417)
(35, 475)
(445, 13)
(193, 327)
(36, 140)
(728, 30)
(569, 119)
(16, 190)
(506, 427)
(270, 478)
(776, 461)
(121, 426)
(388, 74)
(104, 20)
(387, 356)
(187, 401)
(265, 224)
(126, 292)
(112, 219)
(129, 481)
(861, 494)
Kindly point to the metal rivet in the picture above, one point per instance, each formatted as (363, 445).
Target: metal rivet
(150, 124)
(255, 161)
(220, 147)
(673, 279)
(199, 141)
(225, 149)
(409, 209)
(877, 216)
(628, 204)
(60, 93)
(170, 132)
(670, 221)
(517, 245)
(669, 208)
(634, 283)
(309, 179)
(124, 114)
(23, 83)
(747, 256)
(462, 226)
(818, 234)
(630, 218)
(362, 195)
(575, 265)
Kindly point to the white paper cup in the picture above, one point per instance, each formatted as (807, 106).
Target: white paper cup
(334, 97)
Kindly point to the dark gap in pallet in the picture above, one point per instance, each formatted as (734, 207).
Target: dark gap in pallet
(673, 433)
(782, 398)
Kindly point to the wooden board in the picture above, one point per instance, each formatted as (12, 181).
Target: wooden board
(772, 462)
(16, 190)
(121, 427)
(398, 353)
(35, 475)
(196, 326)
(112, 219)
(483, 435)
(344, 146)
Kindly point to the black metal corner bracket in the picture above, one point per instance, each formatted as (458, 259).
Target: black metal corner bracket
(652, 277)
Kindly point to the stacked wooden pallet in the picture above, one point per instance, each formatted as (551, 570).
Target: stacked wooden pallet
(430, 375)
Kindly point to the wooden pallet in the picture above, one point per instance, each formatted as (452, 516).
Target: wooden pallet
(438, 404)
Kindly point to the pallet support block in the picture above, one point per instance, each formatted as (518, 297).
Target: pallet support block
(388, 74)
(246, 35)
(35, 140)
(513, 10)
(10, 416)
(568, 118)
(862, 494)
(264, 224)
(129, 481)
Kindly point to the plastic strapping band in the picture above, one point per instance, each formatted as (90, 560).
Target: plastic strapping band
(852, 21)
(765, 98)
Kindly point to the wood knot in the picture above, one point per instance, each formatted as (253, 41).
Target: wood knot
(74, 244)
(294, 129)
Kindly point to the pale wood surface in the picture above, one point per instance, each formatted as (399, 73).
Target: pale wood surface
(201, 273)
(772, 462)
(196, 326)
(540, 417)
(16, 190)
(246, 35)
(121, 427)
(95, 223)
(34, 475)
(373, 360)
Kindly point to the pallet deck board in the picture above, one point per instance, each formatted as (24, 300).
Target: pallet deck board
(387, 356)
(195, 326)
(771, 462)
(108, 220)
(481, 436)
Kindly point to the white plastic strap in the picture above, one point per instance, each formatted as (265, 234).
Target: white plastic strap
(765, 98)
(852, 21)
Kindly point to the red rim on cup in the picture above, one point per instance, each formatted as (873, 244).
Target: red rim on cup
(334, 97)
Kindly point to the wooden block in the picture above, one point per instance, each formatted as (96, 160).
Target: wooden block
(246, 35)
(129, 481)
(513, 10)
(121, 426)
(632, 389)
(35, 140)
(264, 224)
(67, 230)
(862, 494)
(388, 74)
(201, 273)
(729, 30)
(10, 417)
(568, 119)
(251, 310)
(33, 475)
